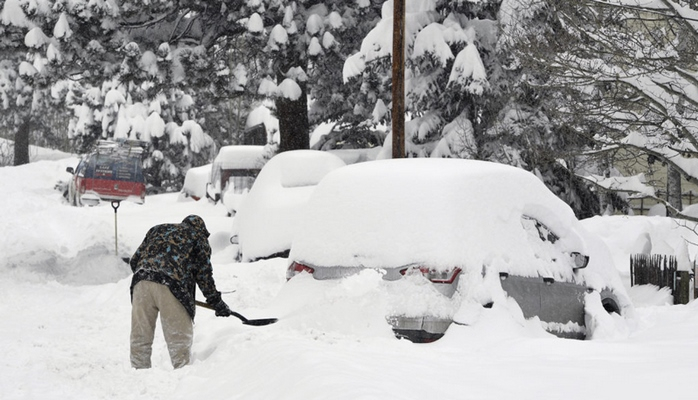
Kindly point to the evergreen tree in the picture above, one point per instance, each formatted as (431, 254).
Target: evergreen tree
(25, 97)
(131, 68)
(467, 94)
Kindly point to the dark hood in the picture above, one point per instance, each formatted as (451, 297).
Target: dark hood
(198, 224)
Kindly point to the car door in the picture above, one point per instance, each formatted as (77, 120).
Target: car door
(559, 304)
(78, 185)
(562, 306)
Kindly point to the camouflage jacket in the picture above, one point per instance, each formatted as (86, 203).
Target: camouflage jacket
(178, 256)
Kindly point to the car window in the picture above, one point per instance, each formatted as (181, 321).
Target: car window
(242, 183)
(80, 170)
(116, 167)
(547, 245)
(542, 240)
(533, 226)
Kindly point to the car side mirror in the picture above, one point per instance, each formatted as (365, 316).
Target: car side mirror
(580, 260)
(70, 170)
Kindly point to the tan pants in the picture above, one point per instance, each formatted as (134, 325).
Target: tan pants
(149, 298)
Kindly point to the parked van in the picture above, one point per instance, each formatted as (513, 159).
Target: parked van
(112, 172)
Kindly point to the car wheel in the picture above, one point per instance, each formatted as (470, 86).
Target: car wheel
(609, 301)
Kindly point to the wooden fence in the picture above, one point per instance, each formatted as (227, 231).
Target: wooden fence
(661, 270)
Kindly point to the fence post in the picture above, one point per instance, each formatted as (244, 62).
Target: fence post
(683, 281)
(695, 281)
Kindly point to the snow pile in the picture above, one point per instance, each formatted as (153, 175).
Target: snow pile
(627, 235)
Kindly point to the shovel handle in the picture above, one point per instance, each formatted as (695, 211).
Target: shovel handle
(253, 322)
(204, 305)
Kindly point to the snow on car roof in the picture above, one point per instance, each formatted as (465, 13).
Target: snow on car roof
(443, 212)
(277, 200)
(239, 157)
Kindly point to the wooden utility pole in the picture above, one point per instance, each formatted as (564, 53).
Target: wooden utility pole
(398, 109)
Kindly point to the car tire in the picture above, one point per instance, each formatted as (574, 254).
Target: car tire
(609, 301)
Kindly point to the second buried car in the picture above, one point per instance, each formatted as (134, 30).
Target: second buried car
(472, 231)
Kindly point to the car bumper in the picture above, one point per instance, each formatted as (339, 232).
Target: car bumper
(421, 329)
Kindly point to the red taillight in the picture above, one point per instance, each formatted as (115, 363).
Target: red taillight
(296, 268)
(448, 276)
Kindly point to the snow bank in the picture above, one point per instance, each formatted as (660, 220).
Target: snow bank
(628, 235)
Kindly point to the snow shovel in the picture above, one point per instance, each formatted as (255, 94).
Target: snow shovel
(245, 321)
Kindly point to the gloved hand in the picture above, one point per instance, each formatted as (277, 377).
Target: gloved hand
(222, 309)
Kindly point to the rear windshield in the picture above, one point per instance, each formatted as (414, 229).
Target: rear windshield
(116, 168)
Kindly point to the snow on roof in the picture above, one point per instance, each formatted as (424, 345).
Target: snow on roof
(239, 157)
(353, 156)
(633, 184)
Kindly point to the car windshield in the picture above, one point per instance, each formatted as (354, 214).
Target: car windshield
(117, 167)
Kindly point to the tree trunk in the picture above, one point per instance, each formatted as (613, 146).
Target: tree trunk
(294, 128)
(22, 142)
(398, 80)
(673, 188)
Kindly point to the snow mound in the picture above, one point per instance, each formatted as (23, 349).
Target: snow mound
(93, 265)
(650, 295)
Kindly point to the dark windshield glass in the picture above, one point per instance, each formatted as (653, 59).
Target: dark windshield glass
(118, 168)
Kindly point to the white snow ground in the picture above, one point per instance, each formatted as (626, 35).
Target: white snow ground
(65, 315)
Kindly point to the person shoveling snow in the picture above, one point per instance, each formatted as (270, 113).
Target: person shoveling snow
(167, 266)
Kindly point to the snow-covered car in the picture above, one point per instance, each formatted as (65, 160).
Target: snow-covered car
(233, 172)
(270, 213)
(112, 172)
(196, 182)
(447, 234)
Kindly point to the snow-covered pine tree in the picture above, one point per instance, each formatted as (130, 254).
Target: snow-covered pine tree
(116, 87)
(28, 108)
(467, 95)
(333, 100)
(213, 52)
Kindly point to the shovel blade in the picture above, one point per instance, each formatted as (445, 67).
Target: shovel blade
(260, 322)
